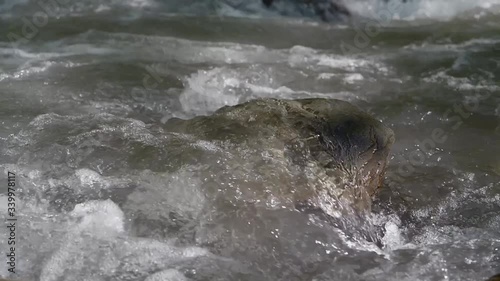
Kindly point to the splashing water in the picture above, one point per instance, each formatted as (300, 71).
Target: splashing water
(83, 104)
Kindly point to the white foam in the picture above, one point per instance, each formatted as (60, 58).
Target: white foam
(362, 245)
(99, 218)
(460, 83)
(340, 62)
(139, 3)
(208, 90)
(396, 10)
(392, 238)
(28, 63)
(326, 76)
(88, 177)
(95, 243)
(300, 56)
(148, 254)
(167, 275)
(82, 181)
(96, 219)
(353, 78)
(26, 71)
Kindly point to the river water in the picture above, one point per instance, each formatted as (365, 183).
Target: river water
(85, 85)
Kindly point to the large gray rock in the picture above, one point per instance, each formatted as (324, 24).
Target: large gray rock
(327, 10)
(281, 153)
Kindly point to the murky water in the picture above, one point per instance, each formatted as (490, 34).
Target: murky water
(85, 93)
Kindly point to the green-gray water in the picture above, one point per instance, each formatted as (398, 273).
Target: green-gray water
(84, 98)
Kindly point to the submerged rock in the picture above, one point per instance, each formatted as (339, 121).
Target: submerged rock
(495, 278)
(327, 10)
(283, 153)
(265, 154)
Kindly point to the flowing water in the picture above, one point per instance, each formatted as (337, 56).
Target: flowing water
(85, 87)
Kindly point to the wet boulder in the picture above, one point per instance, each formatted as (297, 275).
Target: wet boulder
(495, 278)
(327, 10)
(283, 153)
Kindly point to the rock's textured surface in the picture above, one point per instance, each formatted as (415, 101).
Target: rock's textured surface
(327, 10)
(325, 152)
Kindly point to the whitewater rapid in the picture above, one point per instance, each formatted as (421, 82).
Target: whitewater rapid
(83, 104)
